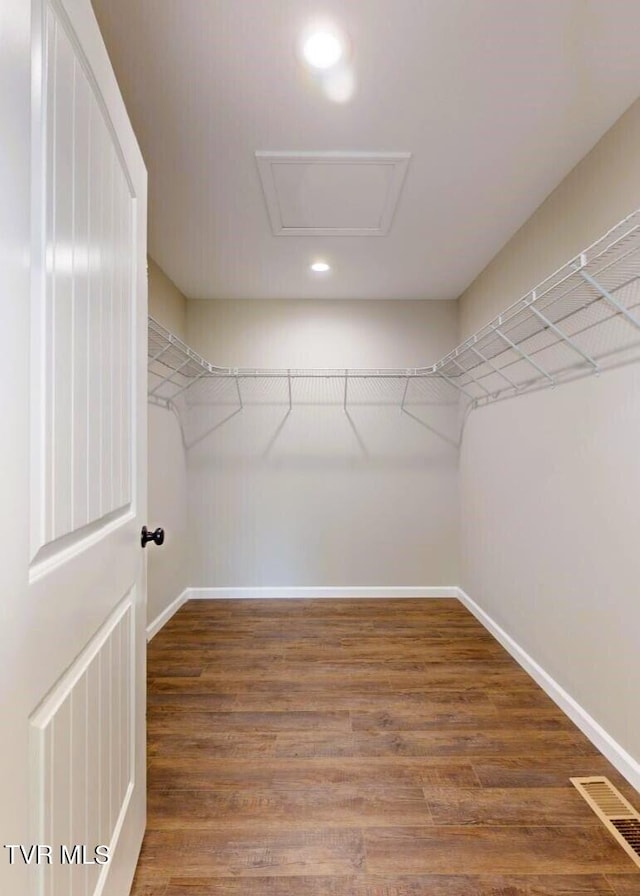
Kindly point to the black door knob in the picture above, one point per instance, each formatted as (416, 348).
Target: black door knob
(146, 536)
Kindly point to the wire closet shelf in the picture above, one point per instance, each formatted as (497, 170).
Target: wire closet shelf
(583, 318)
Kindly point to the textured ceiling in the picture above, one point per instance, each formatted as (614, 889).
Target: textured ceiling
(496, 100)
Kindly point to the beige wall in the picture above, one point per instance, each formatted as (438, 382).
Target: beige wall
(550, 482)
(167, 502)
(167, 304)
(318, 497)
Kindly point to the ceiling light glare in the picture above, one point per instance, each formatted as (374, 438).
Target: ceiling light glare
(320, 267)
(339, 84)
(322, 49)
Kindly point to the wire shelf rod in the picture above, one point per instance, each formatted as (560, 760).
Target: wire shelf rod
(563, 336)
(609, 298)
(470, 375)
(471, 343)
(566, 273)
(586, 330)
(456, 386)
(169, 378)
(524, 355)
(188, 385)
(404, 394)
(495, 369)
(564, 310)
(165, 348)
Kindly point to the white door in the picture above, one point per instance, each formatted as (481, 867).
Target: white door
(72, 460)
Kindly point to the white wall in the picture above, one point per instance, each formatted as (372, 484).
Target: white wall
(318, 497)
(550, 482)
(167, 566)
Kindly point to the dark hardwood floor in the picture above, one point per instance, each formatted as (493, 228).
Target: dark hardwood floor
(362, 748)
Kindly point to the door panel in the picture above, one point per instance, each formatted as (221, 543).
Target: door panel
(82, 734)
(72, 472)
(82, 379)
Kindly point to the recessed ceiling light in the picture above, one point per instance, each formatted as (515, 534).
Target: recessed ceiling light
(322, 49)
(320, 267)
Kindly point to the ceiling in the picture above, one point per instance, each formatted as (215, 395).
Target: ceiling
(496, 100)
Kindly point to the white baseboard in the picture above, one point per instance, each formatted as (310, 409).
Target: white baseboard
(154, 627)
(320, 592)
(617, 755)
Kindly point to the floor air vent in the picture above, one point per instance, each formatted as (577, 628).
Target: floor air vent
(614, 811)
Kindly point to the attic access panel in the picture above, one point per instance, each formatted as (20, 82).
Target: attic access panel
(332, 193)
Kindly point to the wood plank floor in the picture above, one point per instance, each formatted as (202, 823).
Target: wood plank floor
(362, 748)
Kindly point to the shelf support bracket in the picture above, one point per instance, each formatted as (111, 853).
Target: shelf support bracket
(168, 379)
(404, 394)
(165, 348)
(610, 299)
(523, 354)
(563, 336)
(289, 384)
(494, 368)
(189, 385)
(471, 377)
(455, 385)
(346, 386)
(238, 391)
